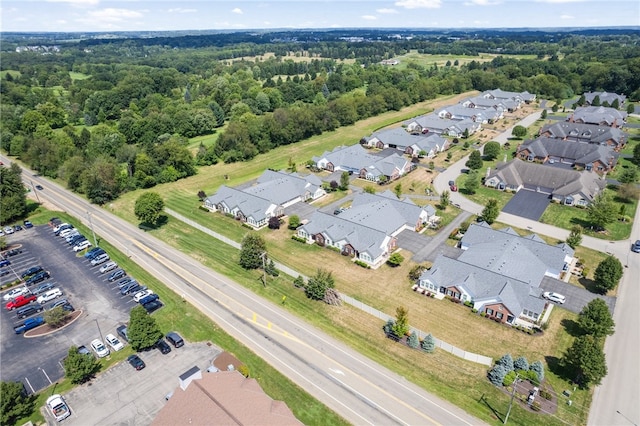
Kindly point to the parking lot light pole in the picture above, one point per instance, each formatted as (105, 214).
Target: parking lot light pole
(95, 242)
(99, 331)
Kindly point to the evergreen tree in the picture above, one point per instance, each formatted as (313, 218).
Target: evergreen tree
(596, 319)
(15, 403)
(298, 281)
(12, 194)
(507, 362)
(575, 237)
(537, 368)
(543, 114)
(344, 181)
(521, 363)
(318, 284)
(218, 113)
(472, 181)
(252, 249)
(143, 329)
(444, 199)
(80, 367)
(497, 374)
(413, 341)
(491, 211)
(428, 344)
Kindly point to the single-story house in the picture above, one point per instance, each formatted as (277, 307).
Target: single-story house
(286, 189)
(498, 105)
(518, 97)
(588, 133)
(429, 144)
(590, 157)
(251, 209)
(609, 98)
(500, 272)
(368, 230)
(431, 123)
(602, 116)
(459, 112)
(569, 187)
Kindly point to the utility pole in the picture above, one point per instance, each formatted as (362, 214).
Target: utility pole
(35, 191)
(264, 268)
(95, 241)
(513, 394)
(99, 331)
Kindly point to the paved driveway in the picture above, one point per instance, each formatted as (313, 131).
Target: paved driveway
(577, 298)
(123, 396)
(412, 241)
(302, 210)
(527, 204)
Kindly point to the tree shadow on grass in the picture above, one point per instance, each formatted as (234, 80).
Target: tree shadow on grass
(584, 224)
(572, 327)
(162, 220)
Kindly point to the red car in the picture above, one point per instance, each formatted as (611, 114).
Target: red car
(453, 188)
(20, 301)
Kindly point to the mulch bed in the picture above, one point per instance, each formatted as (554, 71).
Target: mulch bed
(547, 406)
(45, 329)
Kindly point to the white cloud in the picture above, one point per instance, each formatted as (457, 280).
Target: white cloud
(386, 11)
(105, 18)
(61, 22)
(369, 17)
(567, 17)
(77, 2)
(481, 3)
(560, 1)
(419, 4)
(237, 10)
(181, 10)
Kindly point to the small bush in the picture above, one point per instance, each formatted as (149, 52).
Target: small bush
(509, 378)
(545, 394)
(474, 311)
(497, 374)
(299, 239)
(244, 370)
(363, 264)
(203, 208)
(535, 406)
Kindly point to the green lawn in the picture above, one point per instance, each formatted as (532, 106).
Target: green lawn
(78, 75)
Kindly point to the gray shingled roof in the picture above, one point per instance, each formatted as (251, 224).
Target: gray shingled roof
(353, 157)
(598, 114)
(579, 152)
(458, 110)
(561, 181)
(383, 213)
(584, 131)
(604, 97)
(403, 139)
(442, 125)
(282, 187)
(363, 238)
(250, 205)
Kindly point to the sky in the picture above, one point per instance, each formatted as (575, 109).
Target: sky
(168, 15)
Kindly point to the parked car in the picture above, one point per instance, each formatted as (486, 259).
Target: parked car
(42, 288)
(49, 295)
(93, 253)
(31, 271)
(635, 247)
(28, 310)
(28, 324)
(116, 275)
(554, 297)
(12, 252)
(149, 298)
(109, 266)
(38, 278)
(113, 341)
(71, 235)
(453, 188)
(128, 288)
(69, 231)
(82, 349)
(61, 227)
(136, 362)
(76, 239)
(82, 245)
(152, 306)
(125, 281)
(100, 259)
(141, 295)
(28, 224)
(175, 339)
(162, 346)
(4, 262)
(8, 230)
(57, 303)
(17, 227)
(18, 291)
(20, 301)
(99, 348)
(123, 332)
(58, 408)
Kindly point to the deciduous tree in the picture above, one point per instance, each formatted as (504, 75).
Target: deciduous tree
(401, 326)
(472, 181)
(252, 249)
(491, 150)
(596, 319)
(318, 284)
(148, 207)
(395, 260)
(80, 367)
(55, 317)
(475, 160)
(575, 237)
(15, 403)
(143, 330)
(491, 211)
(608, 274)
(602, 210)
(444, 199)
(585, 361)
(519, 131)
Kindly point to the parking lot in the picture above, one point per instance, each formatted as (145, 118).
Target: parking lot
(36, 361)
(124, 396)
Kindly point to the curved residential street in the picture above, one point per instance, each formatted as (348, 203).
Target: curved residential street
(360, 390)
(616, 400)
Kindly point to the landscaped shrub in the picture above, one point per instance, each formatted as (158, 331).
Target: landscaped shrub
(474, 311)
(244, 370)
(509, 378)
(413, 341)
(428, 344)
(545, 394)
(538, 368)
(298, 282)
(521, 364)
(203, 208)
(535, 406)
(299, 239)
(388, 326)
(496, 374)
(363, 264)
(530, 376)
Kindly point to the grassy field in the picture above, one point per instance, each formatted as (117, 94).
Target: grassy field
(14, 73)
(428, 60)
(78, 76)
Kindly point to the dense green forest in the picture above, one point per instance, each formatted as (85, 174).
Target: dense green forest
(111, 115)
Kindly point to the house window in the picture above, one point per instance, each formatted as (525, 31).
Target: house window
(489, 311)
(535, 316)
(499, 315)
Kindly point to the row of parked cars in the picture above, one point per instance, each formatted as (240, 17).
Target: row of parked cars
(10, 229)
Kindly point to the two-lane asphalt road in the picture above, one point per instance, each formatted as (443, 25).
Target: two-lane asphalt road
(360, 390)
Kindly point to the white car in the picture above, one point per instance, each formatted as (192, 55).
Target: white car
(8, 230)
(99, 348)
(66, 232)
(554, 297)
(58, 408)
(15, 293)
(100, 259)
(141, 295)
(49, 295)
(57, 228)
(113, 341)
(82, 245)
(109, 266)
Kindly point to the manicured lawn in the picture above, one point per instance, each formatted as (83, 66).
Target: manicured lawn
(78, 75)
